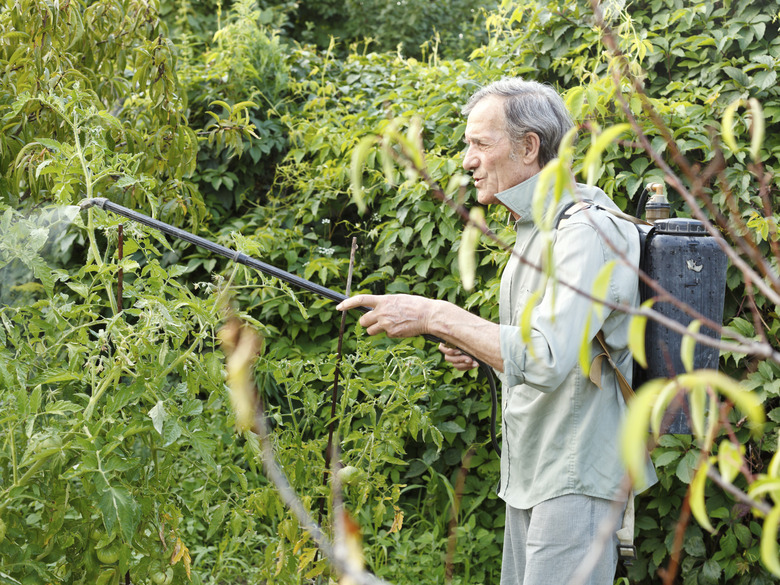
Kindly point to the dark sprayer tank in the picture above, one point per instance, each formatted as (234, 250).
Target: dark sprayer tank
(686, 261)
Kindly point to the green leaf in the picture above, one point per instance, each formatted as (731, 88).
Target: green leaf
(158, 415)
(120, 511)
(698, 508)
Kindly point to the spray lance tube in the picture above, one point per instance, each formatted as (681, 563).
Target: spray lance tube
(270, 270)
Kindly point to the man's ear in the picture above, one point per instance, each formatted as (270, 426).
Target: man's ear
(529, 150)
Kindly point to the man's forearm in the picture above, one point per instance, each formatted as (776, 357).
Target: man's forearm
(468, 332)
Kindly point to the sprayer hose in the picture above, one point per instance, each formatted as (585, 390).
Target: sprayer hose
(287, 277)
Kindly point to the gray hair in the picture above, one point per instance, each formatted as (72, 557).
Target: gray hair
(529, 106)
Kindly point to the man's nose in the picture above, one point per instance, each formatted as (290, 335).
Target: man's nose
(470, 162)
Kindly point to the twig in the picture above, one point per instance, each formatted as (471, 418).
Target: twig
(336, 374)
(453, 537)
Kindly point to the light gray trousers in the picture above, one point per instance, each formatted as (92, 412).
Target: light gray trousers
(545, 545)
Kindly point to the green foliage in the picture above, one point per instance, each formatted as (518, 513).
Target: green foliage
(118, 452)
(90, 106)
(413, 27)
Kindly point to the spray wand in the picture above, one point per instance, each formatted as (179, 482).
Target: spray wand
(270, 270)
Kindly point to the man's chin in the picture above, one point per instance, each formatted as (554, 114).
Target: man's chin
(485, 198)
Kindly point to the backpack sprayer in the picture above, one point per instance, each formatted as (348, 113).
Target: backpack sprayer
(686, 261)
(270, 270)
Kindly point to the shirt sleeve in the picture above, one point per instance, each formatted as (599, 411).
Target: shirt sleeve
(563, 318)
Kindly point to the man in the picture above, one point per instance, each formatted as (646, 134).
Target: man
(560, 470)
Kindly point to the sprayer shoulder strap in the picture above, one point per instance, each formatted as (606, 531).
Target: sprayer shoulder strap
(626, 549)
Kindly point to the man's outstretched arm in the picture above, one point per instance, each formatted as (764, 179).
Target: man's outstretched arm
(409, 316)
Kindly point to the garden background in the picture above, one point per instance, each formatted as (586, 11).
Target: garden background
(119, 460)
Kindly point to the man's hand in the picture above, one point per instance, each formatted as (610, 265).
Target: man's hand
(459, 360)
(409, 316)
(396, 315)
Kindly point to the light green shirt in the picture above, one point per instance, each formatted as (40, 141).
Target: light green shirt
(560, 431)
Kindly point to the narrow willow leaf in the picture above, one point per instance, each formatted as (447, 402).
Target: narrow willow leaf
(566, 147)
(746, 401)
(763, 486)
(727, 127)
(601, 285)
(359, 156)
(688, 345)
(585, 345)
(636, 335)
(414, 138)
(769, 552)
(457, 182)
(467, 252)
(698, 509)
(774, 466)
(525, 320)
(729, 460)
(633, 434)
(540, 199)
(592, 160)
(698, 405)
(757, 129)
(665, 396)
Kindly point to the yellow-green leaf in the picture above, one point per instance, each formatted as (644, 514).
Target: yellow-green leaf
(467, 262)
(769, 542)
(633, 434)
(756, 129)
(773, 470)
(729, 460)
(585, 345)
(592, 160)
(688, 345)
(697, 397)
(601, 285)
(746, 401)
(541, 199)
(359, 156)
(665, 396)
(636, 335)
(698, 509)
(727, 128)
(765, 485)
(525, 320)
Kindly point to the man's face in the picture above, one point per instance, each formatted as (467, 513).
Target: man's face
(494, 162)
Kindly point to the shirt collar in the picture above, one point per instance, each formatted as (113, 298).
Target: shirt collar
(519, 199)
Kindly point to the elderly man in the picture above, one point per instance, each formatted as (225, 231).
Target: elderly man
(560, 469)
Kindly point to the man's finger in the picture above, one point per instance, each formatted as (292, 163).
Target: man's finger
(369, 301)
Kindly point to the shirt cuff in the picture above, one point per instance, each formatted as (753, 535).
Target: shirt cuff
(513, 353)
